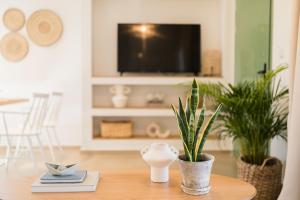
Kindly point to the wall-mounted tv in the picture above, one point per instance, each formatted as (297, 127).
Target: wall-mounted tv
(159, 48)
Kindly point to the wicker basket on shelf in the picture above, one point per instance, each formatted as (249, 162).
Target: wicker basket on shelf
(116, 129)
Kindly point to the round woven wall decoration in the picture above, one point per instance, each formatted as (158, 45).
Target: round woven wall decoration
(14, 47)
(44, 27)
(14, 19)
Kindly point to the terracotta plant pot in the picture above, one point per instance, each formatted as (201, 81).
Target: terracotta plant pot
(196, 175)
(266, 178)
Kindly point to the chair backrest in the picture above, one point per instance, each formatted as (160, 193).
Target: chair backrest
(37, 112)
(54, 108)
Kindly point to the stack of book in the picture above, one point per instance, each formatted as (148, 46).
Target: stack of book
(80, 181)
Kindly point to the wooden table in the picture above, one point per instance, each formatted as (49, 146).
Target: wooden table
(132, 186)
(11, 101)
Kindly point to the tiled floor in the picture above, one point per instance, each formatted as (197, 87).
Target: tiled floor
(108, 161)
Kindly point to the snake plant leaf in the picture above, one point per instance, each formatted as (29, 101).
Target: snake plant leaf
(191, 132)
(214, 117)
(204, 133)
(187, 152)
(183, 130)
(183, 116)
(194, 97)
(180, 127)
(201, 117)
(200, 122)
(188, 108)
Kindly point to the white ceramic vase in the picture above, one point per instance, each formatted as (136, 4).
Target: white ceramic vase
(120, 99)
(159, 156)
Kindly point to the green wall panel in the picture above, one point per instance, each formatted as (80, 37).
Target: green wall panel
(252, 37)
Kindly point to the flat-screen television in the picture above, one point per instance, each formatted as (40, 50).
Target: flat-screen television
(159, 48)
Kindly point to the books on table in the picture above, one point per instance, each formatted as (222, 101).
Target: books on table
(89, 184)
(77, 177)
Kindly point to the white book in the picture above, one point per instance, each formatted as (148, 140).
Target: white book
(88, 185)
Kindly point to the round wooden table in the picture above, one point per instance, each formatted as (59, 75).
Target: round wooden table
(11, 101)
(132, 186)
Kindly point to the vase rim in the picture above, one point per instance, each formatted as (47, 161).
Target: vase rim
(159, 145)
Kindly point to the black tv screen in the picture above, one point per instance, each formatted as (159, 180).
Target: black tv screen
(159, 48)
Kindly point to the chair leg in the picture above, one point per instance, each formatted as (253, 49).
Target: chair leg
(56, 138)
(50, 145)
(3, 162)
(29, 142)
(41, 148)
(8, 152)
(18, 145)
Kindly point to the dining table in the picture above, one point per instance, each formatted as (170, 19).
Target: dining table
(8, 101)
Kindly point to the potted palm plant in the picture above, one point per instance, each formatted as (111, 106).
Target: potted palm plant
(195, 166)
(254, 112)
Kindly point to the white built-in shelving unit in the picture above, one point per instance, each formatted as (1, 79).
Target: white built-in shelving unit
(97, 104)
(135, 112)
(151, 80)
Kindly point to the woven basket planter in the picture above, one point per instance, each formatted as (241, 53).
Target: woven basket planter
(267, 178)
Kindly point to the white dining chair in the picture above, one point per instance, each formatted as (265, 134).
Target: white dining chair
(30, 127)
(51, 120)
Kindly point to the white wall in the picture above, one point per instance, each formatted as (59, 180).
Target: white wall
(281, 54)
(57, 67)
(281, 47)
(108, 13)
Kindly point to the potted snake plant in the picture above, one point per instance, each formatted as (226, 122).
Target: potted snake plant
(195, 166)
(254, 112)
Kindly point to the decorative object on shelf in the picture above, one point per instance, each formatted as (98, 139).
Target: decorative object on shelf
(120, 99)
(195, 166)
(159, 156)
(255, 112)
(14, 19)
(14, 47)
(155, 100)
(164, 135)
(211, 63)
(116, 129)
(44, 27)
(153, 130)
(61, 170)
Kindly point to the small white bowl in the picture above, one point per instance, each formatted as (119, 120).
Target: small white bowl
(61, 170)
